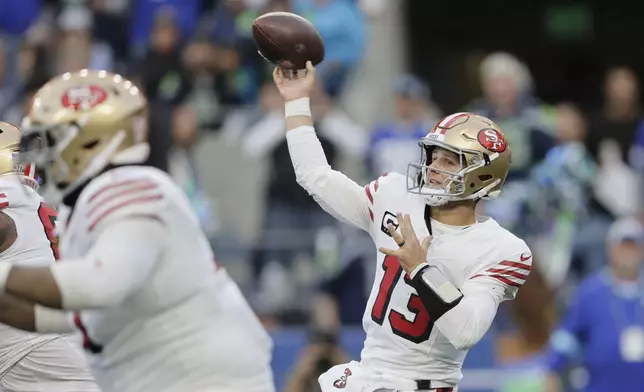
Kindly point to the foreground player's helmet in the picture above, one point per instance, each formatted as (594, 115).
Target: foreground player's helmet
(484, 156)
(9, 161)
(81, 122)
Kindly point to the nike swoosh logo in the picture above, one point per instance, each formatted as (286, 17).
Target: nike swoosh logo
(524, 257)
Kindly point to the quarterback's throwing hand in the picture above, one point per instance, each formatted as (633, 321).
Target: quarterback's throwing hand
(411, 252)
(299, 86)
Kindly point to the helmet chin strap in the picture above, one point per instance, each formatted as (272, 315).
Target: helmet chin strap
(440, 200)
(436, 201)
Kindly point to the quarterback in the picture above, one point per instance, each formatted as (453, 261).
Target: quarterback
(137, 276)
(443, 269)
(31, 362)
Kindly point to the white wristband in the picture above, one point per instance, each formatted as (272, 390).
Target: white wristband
(5, 268)
(413, 273)
(298, 107)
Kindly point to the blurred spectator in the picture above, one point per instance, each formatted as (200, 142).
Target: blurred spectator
(18, 15)
(31, 73)
(232, 21)
(636, 154)
(240, 120)
(232, 28)
(16, 18)
(161, 72)
(210, 67)
(144, 16)
(603, 328)
(182, 167)
(161, 116)
(620, 115)
(560, 207)
(111, 18)
(393, 145)
(610, 139)
(77, 48)
(509, 101)
(8, 89)
(343, 29)
(15, 113)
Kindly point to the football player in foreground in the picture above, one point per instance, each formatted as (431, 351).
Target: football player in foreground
(137, 274)
(30, 361)
(443, 270)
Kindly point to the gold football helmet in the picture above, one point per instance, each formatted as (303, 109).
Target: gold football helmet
(81, 122)
(484, 156)
(10, 164)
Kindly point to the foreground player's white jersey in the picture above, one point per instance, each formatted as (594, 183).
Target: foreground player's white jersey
(186, 327)
(484, 260)
(35, 245)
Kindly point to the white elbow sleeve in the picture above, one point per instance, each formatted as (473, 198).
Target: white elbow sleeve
(84, 286)
(108, 274)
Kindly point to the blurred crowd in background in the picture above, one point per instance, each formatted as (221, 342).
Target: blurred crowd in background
(217, 127)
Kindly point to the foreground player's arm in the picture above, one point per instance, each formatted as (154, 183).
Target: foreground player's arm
(24, 315)
(466, 316)
(336, 193)
(123, 256)
(8, 232)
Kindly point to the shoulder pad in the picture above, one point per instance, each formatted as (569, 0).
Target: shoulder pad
(384, 184)
(115, 196)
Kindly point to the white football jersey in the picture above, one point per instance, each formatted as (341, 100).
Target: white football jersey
(35, 245)
(401, 337)
(187, 326)
(486, 262)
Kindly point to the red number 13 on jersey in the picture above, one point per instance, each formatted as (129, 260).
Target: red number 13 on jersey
(417, 330)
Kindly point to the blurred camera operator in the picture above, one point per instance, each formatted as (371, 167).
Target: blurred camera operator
(323, 352)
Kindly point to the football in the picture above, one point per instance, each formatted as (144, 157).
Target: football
(287, 40)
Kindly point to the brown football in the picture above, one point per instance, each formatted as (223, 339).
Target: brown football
(287, 40)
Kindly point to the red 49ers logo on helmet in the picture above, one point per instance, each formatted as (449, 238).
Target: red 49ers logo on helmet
(492, 140)
(84, 97)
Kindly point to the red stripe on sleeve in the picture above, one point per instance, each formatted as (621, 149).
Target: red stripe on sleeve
(506, 280)
(139, 187)
(124, 203)
(368, 192)
(514, 264)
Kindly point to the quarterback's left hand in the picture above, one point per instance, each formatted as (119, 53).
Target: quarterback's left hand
(411, 252)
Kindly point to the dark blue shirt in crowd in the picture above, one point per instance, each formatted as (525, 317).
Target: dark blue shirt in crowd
(18, 15)
(590, 333)
(145, 11)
